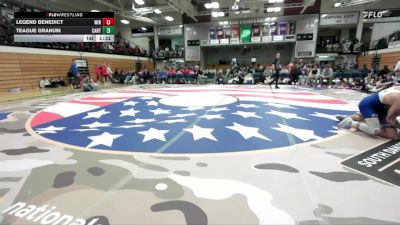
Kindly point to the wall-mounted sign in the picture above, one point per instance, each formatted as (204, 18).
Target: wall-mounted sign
(278, 38)
(245, 33)
(290, 37)
(193, 43)
(234, 40)
(266, 38)
(339, 19)
(381, 14)
(224, 41)
(305, 37)
(255, 39)
(170, 30)
(304, 54)
(214, 41)
(142, 32)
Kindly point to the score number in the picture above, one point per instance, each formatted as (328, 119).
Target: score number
(108, 21)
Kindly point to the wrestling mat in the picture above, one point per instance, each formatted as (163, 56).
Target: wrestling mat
(192, 155)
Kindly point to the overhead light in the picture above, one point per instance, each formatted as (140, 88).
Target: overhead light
(270, 9)
(238, 12)
(143, 28)
(221, 14)
(272, 1)
(235, 6)
(94, 10)
(323, 15)
(125, 21)
(169, 18)
(277, 9)
(181, 25)
(215, 5)
(139, 2)
(337, 4)
(157, 11)
(278, 1)
(214, 14)
(212, 5)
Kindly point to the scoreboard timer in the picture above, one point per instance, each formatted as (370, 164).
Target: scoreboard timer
(64, 27)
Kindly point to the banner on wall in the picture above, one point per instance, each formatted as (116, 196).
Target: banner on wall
(228, 32)
(245, 33)
(282, 28)
(292, 27)
(220, 33)
(212, 33)
(170, 30)
(256, 30)
(235, 31)
(339, 19)
(266, 31)
(273, 28)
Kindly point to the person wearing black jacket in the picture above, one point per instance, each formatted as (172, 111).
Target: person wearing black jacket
(277, 66)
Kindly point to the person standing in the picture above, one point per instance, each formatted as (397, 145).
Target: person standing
(277, 67)
(75, 73)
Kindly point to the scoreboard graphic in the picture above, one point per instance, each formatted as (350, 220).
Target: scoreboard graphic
(64, 27)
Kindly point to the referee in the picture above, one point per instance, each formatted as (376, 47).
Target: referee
(277, 66)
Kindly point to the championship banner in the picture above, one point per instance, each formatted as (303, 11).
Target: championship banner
(256, 30)
(220, 33)
(282, 28)
(235, 31)
(212, 33)
(381, 162)
(245, 33)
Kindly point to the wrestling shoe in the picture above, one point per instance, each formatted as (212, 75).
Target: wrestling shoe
(345, 122)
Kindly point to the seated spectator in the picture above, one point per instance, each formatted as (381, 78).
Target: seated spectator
(89, 85)
(45, 83)
(220, 78)
(327, 74)
(314, 75)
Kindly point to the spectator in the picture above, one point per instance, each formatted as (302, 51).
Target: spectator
(104, 72)
(277, 68)
(328, 74)
(44, 83)
(314, 75)
(98, 72)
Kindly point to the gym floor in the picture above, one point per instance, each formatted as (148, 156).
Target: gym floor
(208, 154)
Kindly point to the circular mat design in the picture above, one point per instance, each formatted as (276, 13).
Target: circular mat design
(194, 120)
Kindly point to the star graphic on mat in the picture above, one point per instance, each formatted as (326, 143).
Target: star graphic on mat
(49, 130)
(247, 106)
(153, 103)
(130, 103)
(200, 132)
(286, 115)
(246, 114)
(96, 124)
(96, 114)
(247, 132)
(193, 108)
(218, 109)
(173, 121)
(303, 134)
(139, 120)
(211, 117)
(153, 133)
(183, 115)
(160, 111)
(129, 112)
(323, 115)
(105, 139)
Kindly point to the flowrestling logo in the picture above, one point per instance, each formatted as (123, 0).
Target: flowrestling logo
(44, 215)
(190, 121)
